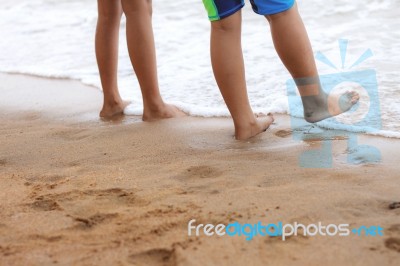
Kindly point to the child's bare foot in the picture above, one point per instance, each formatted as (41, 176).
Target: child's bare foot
(319, 108)
(260, 125)
(113, 109)
(163, 112)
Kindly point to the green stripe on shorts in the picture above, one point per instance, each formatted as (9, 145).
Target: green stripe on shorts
(211, 9)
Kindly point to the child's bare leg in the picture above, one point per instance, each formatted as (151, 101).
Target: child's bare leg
(108, 22)
(143, 57)
(228, 66)
(294, 48)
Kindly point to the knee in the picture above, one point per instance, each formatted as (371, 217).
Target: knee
(137, 7)
(110, 15)
(222, 27)
(226, 25)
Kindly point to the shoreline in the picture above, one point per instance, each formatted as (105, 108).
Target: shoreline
(76, 190)
(131, 111)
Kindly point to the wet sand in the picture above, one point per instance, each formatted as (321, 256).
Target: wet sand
(75, 190)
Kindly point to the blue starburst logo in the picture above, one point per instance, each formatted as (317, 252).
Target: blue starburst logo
(343, 44)
(363, 118)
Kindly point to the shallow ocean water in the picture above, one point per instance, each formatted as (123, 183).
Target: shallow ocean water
(55, 38)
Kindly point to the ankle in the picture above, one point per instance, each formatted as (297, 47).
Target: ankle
(253, 128)
(154, 105)
(113, 100)
(245, 124)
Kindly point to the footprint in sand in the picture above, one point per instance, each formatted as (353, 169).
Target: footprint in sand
(50, 239)
(42, 204)
(202, 171)
(3, 162)
(92, 221)
(394, 205)
(74, 164)
(393, 244)
(283, 133)
(395, 228)
(106, 198)
(72, 135)
(152, 257)
(8, 251)
(44, 182)
(46, 178)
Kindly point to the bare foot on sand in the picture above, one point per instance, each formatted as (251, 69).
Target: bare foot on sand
(110, 110)
(319, 108)
(260, 125)
(163, 112)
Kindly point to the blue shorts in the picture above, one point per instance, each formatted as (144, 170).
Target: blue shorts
(219, 9)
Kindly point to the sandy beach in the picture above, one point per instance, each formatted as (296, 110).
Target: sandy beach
(75, 190)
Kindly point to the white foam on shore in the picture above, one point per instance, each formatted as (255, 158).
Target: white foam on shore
(55, 38)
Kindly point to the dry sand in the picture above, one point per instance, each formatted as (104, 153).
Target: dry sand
(75, 190)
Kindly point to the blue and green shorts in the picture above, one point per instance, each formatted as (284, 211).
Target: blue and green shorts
(219, 9)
